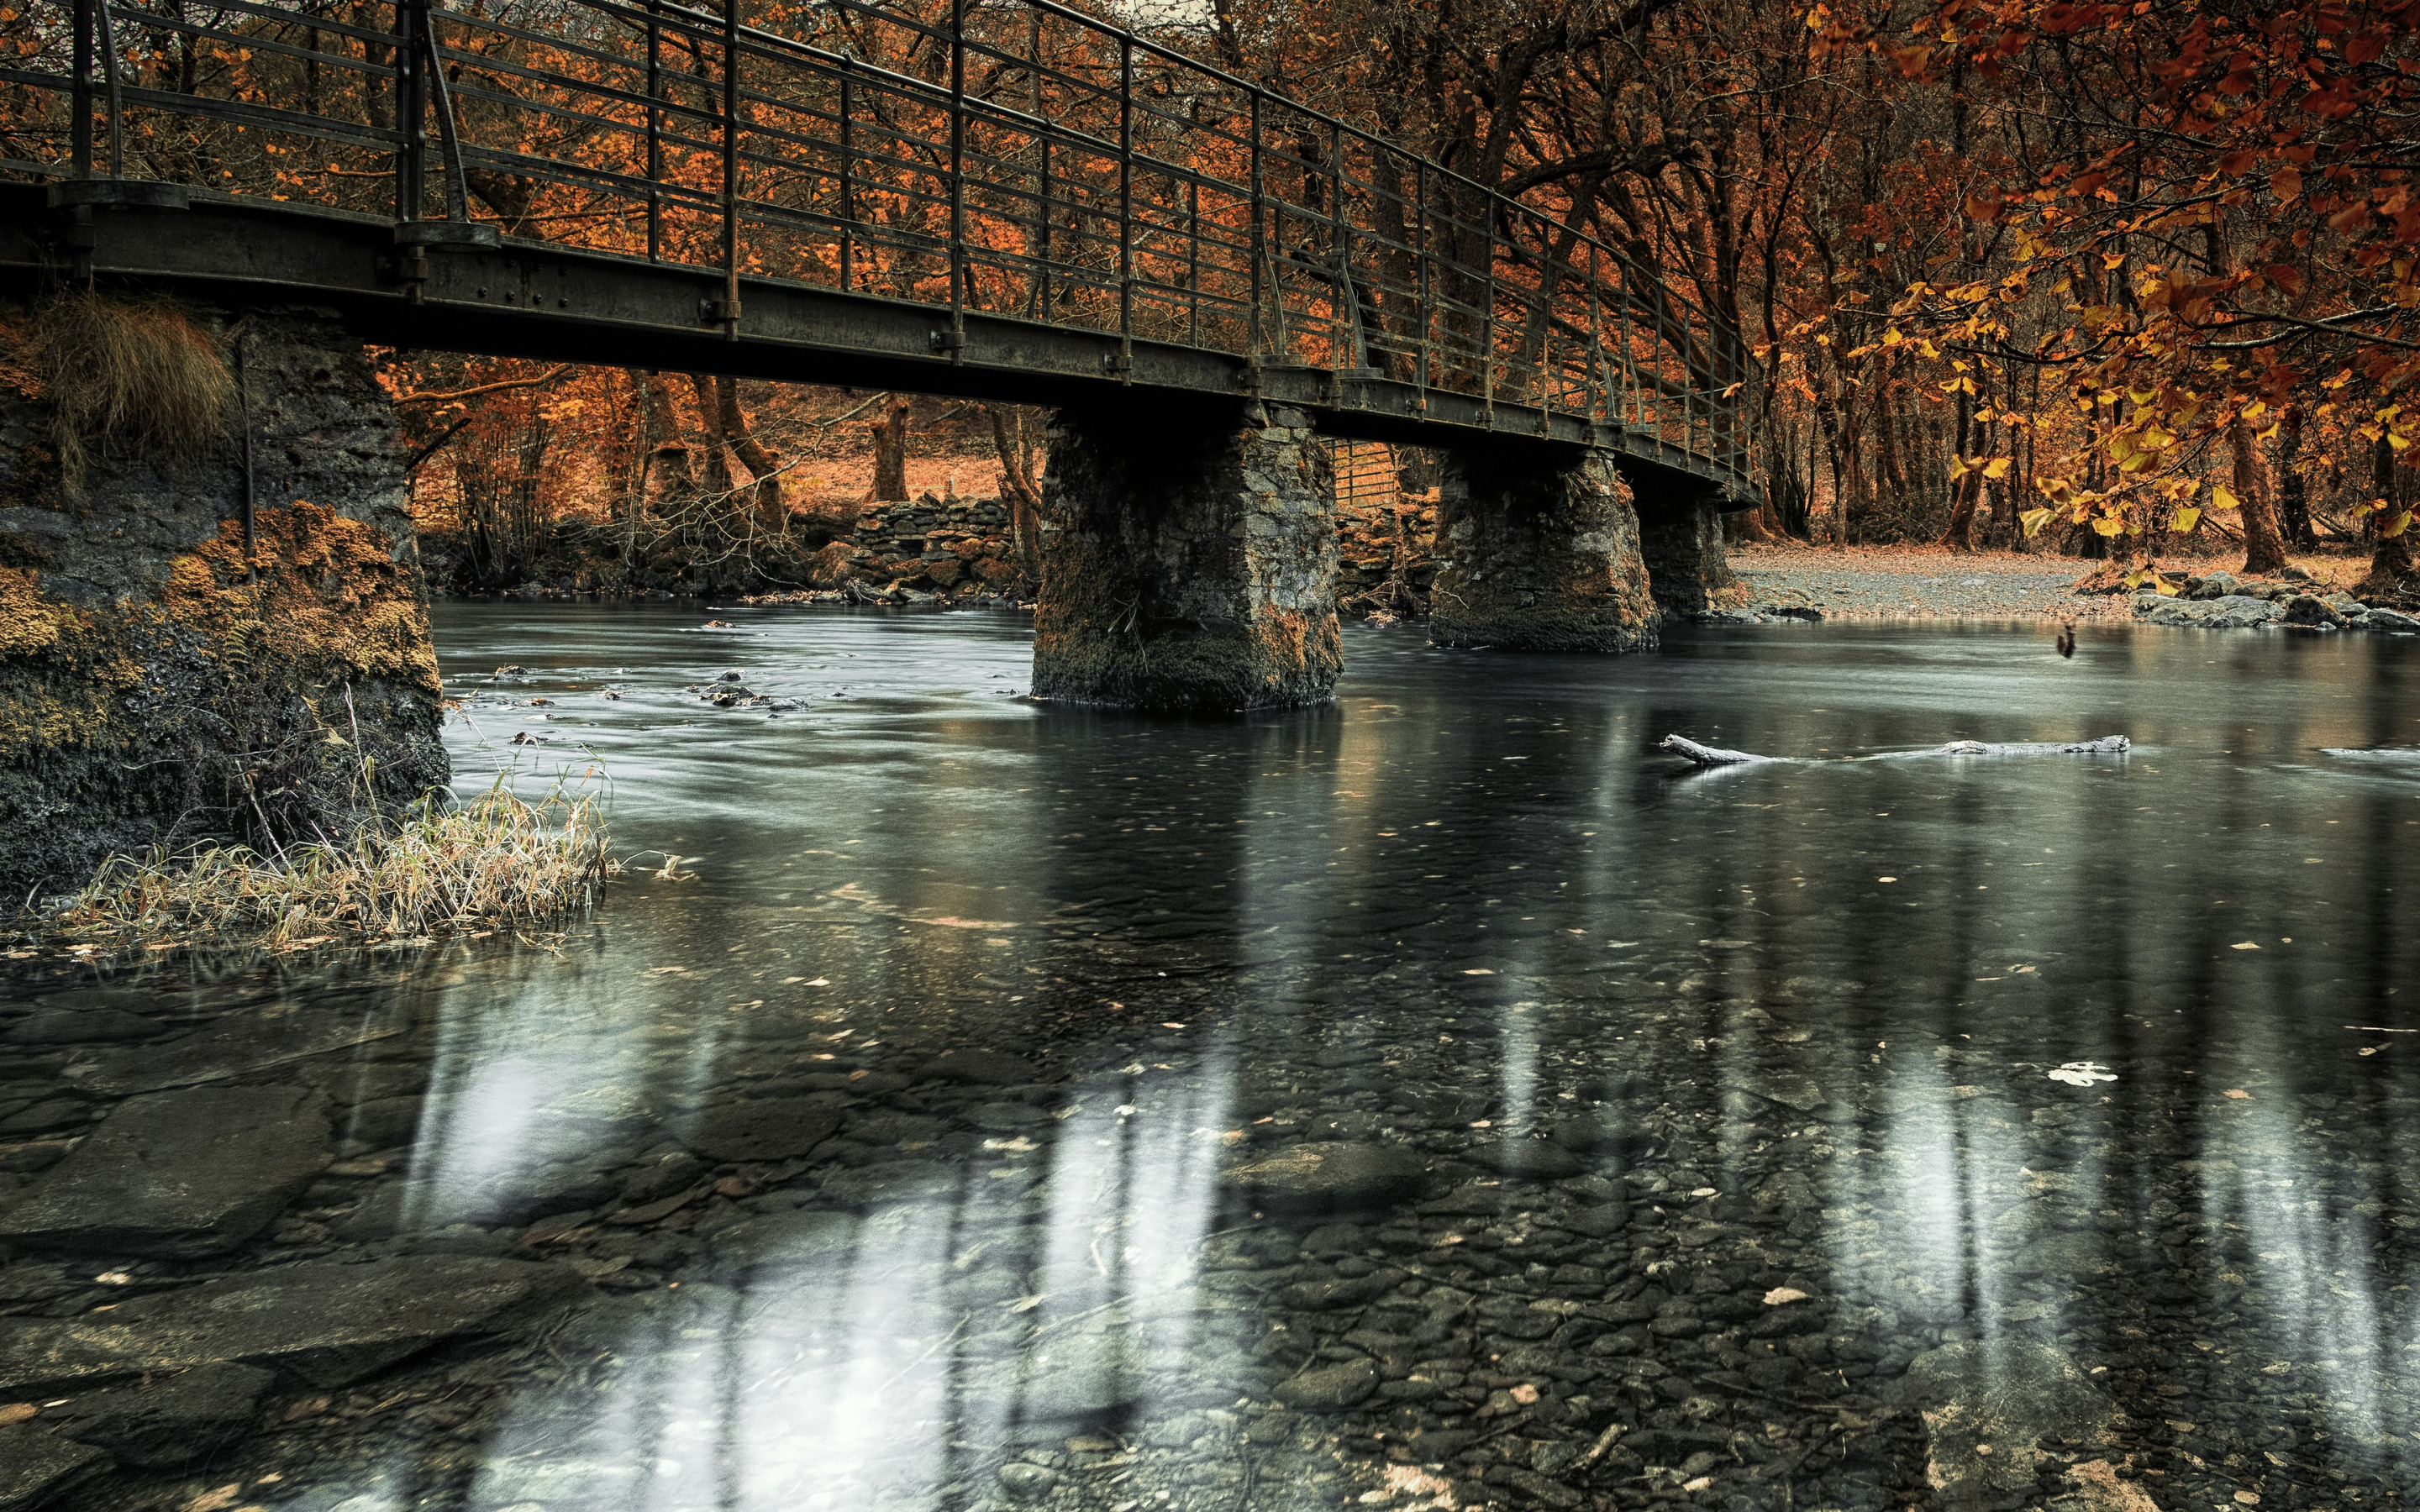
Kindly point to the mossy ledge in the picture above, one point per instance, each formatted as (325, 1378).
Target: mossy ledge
(160, 687)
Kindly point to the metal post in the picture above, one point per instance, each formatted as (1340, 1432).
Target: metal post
(1049, 312)
(80, 92)
(729, 312)
(108, 40)
(1126, 207)
(847, 176)
(958, 181)
(243, 444)
(1258, 253)
(1593, 390)
(1348, 320)
(1487, 318)
(1193, 269)
(655, 137)
(410, 111)
(1420, 239)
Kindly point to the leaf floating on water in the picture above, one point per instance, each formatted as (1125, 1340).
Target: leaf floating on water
(1783, 1296)
(1477, 971)
(2244, 945)
(1025, 1305)
(2082, 1074)
(2239, 1093)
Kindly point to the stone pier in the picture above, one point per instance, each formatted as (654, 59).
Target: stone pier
(1188, 559)
(160, 684)
(1681, 536)
(1539, 550)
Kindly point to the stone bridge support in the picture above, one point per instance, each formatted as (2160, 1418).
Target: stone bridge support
(159, 684)
(1680, 535)
(1189, 561)
(1539, 550)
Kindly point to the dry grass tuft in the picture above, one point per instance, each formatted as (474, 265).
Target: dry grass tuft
(142, 370)
(497, 860)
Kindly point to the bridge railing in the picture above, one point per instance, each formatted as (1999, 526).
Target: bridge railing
(1005, 157)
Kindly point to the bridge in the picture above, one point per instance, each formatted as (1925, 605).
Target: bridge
(999, 199)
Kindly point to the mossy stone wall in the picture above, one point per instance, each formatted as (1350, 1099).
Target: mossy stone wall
(1539, 551)
(158, 686)
(1191, 563)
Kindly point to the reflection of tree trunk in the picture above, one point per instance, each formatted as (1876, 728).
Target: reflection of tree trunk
(890, 454)
(2263, 551)
(2293, 500)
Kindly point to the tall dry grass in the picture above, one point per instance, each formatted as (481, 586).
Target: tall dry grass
(142, 370)
(496, 860)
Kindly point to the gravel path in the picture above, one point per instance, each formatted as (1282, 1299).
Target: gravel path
(1920, 583)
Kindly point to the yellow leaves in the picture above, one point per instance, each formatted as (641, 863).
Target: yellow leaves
(2142, 395)
(1998, 467)
(2034, 519)
(1891, 336)
(2187, 517)
(2107, 525)
(2397, 526)
(2223, 499)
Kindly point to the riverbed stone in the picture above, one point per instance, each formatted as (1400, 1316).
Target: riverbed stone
(172, 1421)
(2232, 611)
(178, 1174)
(987, 1067)
(1188, 561)
(814, 1240)
(1323, 1176)
(1329, 1388)
(87, 1025)
(37, 1465)
(325, 1324)
(1534, 1158)
(764, 1128)
(1987, 1406)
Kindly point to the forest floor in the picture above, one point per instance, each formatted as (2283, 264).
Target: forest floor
(1931, 583)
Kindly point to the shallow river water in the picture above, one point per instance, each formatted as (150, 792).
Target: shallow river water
(1438, 1099)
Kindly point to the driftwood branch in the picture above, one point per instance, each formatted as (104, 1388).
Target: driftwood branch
(1714, 756)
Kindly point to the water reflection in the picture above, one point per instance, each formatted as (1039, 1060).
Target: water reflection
(1619, 1133)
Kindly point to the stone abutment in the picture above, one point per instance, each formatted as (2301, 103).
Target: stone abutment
(1539, 550)
(1188, 561)
(163, 680)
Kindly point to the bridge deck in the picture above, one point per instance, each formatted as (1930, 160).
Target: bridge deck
(1006, 200)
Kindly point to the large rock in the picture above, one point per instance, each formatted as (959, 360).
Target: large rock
(173, 1421)
(37, 1465)
(1329, 1388)
(177, 1174)
(241, 1044)
(1321, 1177)
(87, 1025)
(326, 1325)
(1987, 1407)
(2235, 611)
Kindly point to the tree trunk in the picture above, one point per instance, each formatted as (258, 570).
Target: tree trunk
(1012, 436)
(890, 454)
(2390, 559)
(2293, 497)
(1960, 536)
(754, 454)
(2263, 550)
(710, 416)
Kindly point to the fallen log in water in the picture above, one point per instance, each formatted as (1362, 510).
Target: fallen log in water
(1710, 755)
(1715, 756)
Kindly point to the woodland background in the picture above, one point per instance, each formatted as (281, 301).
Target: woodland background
(2107, 280)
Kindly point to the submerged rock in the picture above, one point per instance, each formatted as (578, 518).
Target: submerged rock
(178, 1174)
(1329, 1388)
(173, 1421)
(1988, 1405)
(772, 1128)
(988, 1068)
(80, 1026)
(37, 1465)
(1321, 1176)
(328, 1324)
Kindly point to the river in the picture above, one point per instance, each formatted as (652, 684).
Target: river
(1439, 1098)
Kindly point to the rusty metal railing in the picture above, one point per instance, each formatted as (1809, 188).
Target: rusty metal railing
(1013, 157)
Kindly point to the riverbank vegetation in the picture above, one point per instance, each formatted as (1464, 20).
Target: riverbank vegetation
(494, 861)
